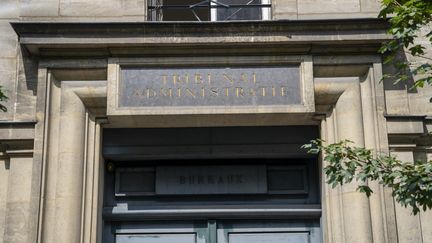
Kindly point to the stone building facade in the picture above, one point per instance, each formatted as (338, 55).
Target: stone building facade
(125, 127)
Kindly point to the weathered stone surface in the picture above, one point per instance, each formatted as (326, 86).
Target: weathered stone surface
(370, 6)
(426, 226)
(4, 176)
(7, 81)
(330, 6)
(18, 201)
(16, 228)
(9, 9)
(420, 102)
(8, 40)
(26, 89)
(340, 15)
(39, 8)
(284, 9)
(97, 8)
(405, 126)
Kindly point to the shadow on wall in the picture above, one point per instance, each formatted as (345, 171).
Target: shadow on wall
(28, 74)
(391, 84)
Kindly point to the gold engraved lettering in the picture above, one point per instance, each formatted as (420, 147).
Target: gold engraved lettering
(227, 91)
(136, 92)
(186, 79)
(209, 78)
(179, 80)
(214, 91)
(164, 79)
(175, 79)
(273, 91)
(254, 78)
(239, 92)
(228, 78)
(244, 77)
(263, 89)
(166, 92)
(283, 90)
(191, 93)
(150, 93)
(179, 93)
(203, 92)
(198, 78)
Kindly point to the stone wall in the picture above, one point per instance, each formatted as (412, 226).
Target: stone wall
(19, 80)
(18, 76)
(330, 9)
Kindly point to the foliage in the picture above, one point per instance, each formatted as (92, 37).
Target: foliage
(3, 98)
(411, 182)
(408, 17)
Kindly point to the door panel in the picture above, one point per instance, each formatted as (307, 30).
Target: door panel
(281, 237)
(269, 231)
(161, 232)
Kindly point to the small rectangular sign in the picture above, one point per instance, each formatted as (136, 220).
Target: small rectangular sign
(212, 86)
(192, 180)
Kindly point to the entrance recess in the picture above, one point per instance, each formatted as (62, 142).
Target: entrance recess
(211, 185)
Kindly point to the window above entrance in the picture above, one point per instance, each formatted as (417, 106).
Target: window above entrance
(208, 10)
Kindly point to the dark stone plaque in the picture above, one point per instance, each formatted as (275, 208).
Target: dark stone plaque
(192, 180)
(215, 86)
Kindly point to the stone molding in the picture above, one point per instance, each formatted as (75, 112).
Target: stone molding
(120, 39)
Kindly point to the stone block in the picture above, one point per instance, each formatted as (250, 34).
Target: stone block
(9, 9)
(426, 224)
(85, 19)
(396, 102)
(20, 179)
(7, 81)
(405, 125)
(420, 103)
(8, 40)
(329, 6)
(16, 228)
(4, 175)
(26, 89)
(284, 9)
(101, 8)
(18, 201)
(408, 225)
(7, 64)
(356, 15)
(39, 8)
(370, 6)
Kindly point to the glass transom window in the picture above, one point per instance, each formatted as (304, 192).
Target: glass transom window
(208, 10)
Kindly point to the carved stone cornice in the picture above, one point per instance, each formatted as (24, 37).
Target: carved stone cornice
(195, 38)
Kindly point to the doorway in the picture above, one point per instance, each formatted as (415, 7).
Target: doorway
(211, 185)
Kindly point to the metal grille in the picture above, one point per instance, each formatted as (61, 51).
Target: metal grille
(193, 10)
